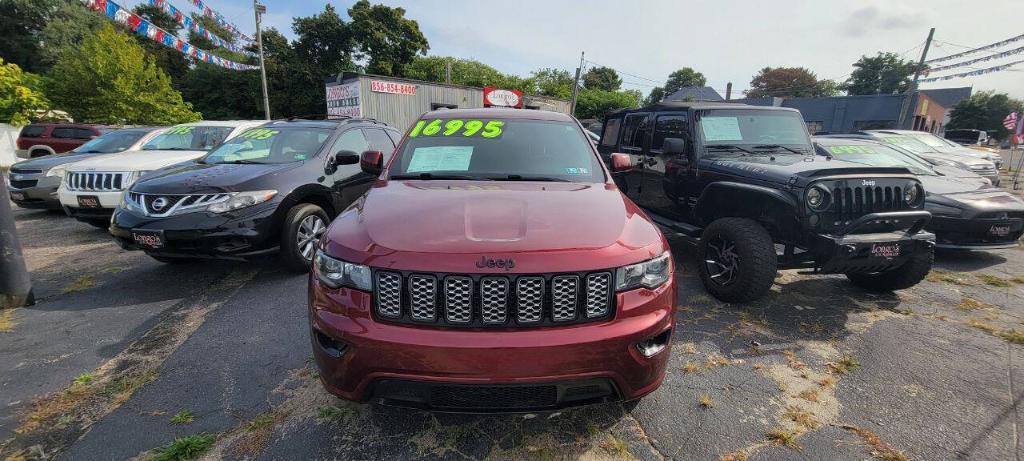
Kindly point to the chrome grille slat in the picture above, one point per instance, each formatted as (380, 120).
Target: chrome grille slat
(598, 294)
(564, 289)
(389, 294)
(96, 182)
(529, 299)
(493, 299)
(423, 297)
(458, 299)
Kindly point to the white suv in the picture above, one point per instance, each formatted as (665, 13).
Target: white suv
(91, 189)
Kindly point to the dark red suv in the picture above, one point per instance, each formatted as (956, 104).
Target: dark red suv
(39, 139)
(493, 266)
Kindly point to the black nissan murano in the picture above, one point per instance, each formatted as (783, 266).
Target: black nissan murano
(269, 189)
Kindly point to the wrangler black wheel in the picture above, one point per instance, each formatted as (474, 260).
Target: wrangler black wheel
(737, 260)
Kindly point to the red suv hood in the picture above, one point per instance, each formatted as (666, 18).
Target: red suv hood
(545, 227)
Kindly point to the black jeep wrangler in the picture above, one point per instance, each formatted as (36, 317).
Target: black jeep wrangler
(744, 181)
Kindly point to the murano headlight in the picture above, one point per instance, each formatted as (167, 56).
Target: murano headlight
(648, 274)
(242, 200)
(817, 198)
(336, 273)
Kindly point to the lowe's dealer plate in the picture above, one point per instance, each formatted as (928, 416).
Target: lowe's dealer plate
(148, 239)
(88, 201)
(885, 250)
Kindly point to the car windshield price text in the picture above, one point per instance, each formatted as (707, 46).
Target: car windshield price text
(487, 129)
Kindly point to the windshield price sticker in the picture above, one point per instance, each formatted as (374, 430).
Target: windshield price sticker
(258, 133)
(851, 150)
(179, 130)
(721, 129)
(489, 129)
(440, 158)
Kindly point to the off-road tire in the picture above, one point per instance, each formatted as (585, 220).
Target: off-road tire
(291, 254)
(757, 260)
(904, 276)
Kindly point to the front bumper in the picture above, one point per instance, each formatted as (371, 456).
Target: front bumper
(847, 251)
(362, 359)
(248, 232)
(976, 233)
(34, 190)
(108, 201)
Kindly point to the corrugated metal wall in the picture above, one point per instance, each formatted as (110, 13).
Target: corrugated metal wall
(401, 110)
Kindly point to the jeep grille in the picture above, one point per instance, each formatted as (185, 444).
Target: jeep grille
(493, 300)
(854, 202)
(96, 182)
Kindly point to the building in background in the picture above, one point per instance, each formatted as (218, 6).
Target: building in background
(695, 94)
(399, 102)
(845, 114)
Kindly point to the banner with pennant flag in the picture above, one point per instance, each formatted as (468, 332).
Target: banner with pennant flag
(196, 27)
(1010, 122)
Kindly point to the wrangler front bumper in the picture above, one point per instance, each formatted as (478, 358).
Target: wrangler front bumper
(847, 251)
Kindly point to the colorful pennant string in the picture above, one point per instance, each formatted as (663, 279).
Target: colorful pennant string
(186, 21)
(972, 73)
(975, 50)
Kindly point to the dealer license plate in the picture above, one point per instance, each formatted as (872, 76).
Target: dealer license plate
(18, 196)
(148, 239)
(88, 201)
(885, 250)
(999, 230)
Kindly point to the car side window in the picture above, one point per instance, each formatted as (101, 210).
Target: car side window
(635, 129)
(352, 140)
(380, 141)
(67, 133)
(394, 135)
(668, 126)
(611, 132)
(83, 133)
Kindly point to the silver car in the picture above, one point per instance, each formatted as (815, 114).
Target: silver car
(938, 151)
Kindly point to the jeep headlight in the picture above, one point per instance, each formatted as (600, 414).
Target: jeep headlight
(648, 274)
(817, 198)
(58, 171)
(911, 193)
(336, 273)
(242, 200)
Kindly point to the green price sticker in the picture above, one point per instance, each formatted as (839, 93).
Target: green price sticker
(489, 129)
(258, 134)
(180, 130)
(851, 150)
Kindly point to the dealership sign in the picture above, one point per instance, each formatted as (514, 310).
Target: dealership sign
(496, 97)
(392, 87)
(343, 99)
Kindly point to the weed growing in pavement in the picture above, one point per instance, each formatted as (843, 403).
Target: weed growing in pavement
(84, 282)
(1011, 335)
(879, 449)
(260, 422)
(740, 455)
(691, 367)
(121, 389)
(615, 446)
(970, 304)
(1018, 279)
(993, 280)
(792, 360)
(946, 277)
(7, 320)
(810, 395)
(706, 401)
(827, 381)
(782, 437)
(183, 417)
(331, 412)
(716, 360)
(84, 378)
(65, 421)
(844, 365)
(800, 417)
(185, 448)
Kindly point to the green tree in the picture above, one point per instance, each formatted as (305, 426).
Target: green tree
(324, 42)
(556, 83)
(170, 60)
(21, 21)
(828, 87)
(110, 79)
(592, 103)
(683, 78)
(385, 37)
(65, 30)
(20, 94)
(885, 73)
(466, 72)
(656, 95)
(984, 110)
(602, 78)
(783, 82)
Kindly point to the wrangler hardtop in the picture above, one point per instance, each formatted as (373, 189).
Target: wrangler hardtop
(744, 183)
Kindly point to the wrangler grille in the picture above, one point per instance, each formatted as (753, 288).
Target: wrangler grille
(488, 300)
(96, 182)
(854, 202)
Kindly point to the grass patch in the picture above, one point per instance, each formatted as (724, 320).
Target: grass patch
(844, 365)
(970, 304)
(827, 382)
(740, 455)
(1012, 335)
(84, 282)
(183, 417)
(7, 322)
(810, 395)
(706, 401)
(334, 413)
(995, 281)
(691, 367)
(800, 417)
(947, 277)
(116, 269)
(185, 448)
(615, 446)
(84, 378)
(121, 389)
(782, 437)
(792, 360)
(879, 449)
(716, 360)
(1018, 279)
(260, 422)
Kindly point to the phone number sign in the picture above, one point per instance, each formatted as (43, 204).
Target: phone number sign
(392, 87)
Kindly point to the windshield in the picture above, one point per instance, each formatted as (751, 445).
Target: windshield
(189, 138)
(908, 143)
(936, 143)
(964, 136)
(264, 145)
(881, 156)
(114, 141)
(751, 128)
(497, 149)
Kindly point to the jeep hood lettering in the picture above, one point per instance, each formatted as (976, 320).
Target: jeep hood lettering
(786, 166)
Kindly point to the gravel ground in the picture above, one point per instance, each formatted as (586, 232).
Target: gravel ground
(124, 356)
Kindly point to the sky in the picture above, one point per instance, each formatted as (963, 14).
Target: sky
(728, 41)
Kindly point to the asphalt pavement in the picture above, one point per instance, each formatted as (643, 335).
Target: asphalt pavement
(124, 357)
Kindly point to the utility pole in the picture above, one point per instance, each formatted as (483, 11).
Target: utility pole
(913, 85)
(15, 284)
(260, 9)
(728, 91)
(576, 87)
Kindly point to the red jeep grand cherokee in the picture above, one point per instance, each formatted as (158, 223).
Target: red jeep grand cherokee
(494, 266)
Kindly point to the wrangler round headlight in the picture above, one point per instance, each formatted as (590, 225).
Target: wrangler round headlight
(911, 194)
(817, 198)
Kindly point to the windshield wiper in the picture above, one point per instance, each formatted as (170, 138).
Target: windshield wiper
(238, 162)
(728, 147)
(519, 177)
(777, 146)
(430, 176)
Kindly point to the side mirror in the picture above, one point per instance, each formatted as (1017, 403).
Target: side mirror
(675, 146)
(346, 157)
(621, 162)
(372, 162)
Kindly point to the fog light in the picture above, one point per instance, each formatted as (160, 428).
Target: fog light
(651, 347)
(329, 345)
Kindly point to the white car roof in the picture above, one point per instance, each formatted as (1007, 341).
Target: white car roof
(231, 123)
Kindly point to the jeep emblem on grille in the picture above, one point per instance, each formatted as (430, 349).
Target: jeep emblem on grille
(159, 204)
(493, 263)
(867, 182)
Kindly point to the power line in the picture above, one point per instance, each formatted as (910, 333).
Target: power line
(626, 73)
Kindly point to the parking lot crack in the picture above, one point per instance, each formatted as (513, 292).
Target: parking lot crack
(651, 445)
(1014, 403)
